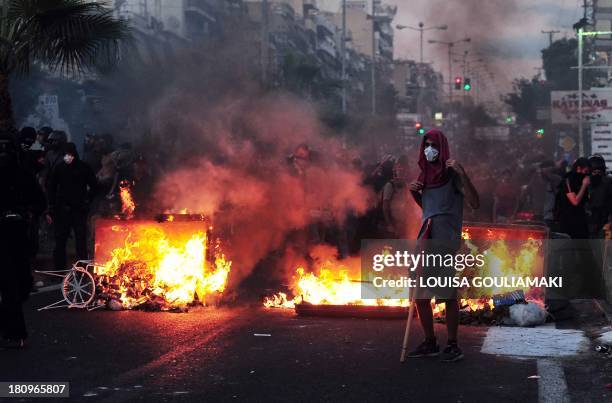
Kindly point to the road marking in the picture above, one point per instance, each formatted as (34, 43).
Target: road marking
(534, 342)
(552, 387)
(546, 343)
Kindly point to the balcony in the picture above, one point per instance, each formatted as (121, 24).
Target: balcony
(323, 24)
(201, 8)
(327, 47)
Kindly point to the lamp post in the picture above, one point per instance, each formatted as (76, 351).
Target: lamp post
(450, 65)
(343, 51)
(421, 30)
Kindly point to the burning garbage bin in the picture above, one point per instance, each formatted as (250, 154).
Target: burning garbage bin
(166, 263)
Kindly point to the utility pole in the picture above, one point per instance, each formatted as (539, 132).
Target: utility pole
(450, 68)
(550, 35)
(343, 55)
(264, 41)
(580, 129)
(373, 57)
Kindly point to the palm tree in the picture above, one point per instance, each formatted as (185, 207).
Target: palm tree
(67, 36)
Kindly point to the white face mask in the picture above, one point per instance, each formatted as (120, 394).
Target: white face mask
(431, 154)
(68, 158)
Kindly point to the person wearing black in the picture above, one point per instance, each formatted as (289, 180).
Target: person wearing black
(600, 197)
(21, 197)
(571, 208)
(31, 160)
(70, 188)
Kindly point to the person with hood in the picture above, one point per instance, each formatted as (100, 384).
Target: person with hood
(571, 200)
(70, 189)
(440, 190)
(21, 197)
(53, 154)
(600, 197)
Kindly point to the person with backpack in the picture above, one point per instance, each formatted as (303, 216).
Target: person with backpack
(571, 200)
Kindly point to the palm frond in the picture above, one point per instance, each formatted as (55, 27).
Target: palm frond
(70, 36)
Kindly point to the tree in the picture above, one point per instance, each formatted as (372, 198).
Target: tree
(67, 36)
(559, 60)
(526, 97)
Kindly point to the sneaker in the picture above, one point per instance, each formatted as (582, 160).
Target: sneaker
(425, 349)
(12, 344)
(451, 353)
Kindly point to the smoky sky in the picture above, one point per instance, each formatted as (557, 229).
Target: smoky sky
(505, 33)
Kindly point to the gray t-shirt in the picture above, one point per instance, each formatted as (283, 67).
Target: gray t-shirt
(444, 205)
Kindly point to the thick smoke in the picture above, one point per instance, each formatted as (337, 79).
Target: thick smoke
(505, 33)
(220, 145)
(235, 167)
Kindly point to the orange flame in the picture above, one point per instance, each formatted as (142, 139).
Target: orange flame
(331, 283)
(153, 266)
(127, 201)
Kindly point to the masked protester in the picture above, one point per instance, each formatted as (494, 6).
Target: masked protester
(600, 197)
(19, 200)
(70, 189)
(440, 191)
(570, 210)
(54, 153)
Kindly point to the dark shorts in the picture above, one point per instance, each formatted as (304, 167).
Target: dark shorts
(437, 237)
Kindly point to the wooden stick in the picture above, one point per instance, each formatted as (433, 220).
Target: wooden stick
(408, 325)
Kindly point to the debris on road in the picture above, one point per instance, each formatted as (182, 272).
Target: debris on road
(529, 314)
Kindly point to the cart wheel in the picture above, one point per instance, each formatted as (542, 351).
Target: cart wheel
(79, 288)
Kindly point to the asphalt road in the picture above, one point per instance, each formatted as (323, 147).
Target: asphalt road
(212, 355)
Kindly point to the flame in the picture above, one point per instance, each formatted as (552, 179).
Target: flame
(153, 266)
(332, 284)
(127, 201)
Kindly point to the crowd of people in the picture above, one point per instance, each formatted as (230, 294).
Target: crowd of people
(49, 191)
(53, 192)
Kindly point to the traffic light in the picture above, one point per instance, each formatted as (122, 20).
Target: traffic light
(420, 130)
(467, 84)
(457, 83)
(540, 133)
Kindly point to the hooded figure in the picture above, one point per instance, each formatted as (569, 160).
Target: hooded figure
(439, 190)
(434, 173)
(20, 197)
(600, 197)
(70, 189)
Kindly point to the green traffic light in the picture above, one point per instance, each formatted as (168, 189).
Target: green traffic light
(467, 87)
(421, 131)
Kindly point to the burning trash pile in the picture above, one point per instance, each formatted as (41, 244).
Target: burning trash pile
(166, 264)
(336, 286)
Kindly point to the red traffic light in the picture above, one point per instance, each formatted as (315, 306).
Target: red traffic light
(418, 125)
(458, 83)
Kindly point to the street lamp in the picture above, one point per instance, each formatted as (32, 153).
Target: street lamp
(450, 61)
(421, 29)
(450, 45)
